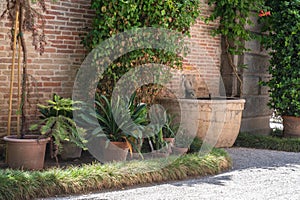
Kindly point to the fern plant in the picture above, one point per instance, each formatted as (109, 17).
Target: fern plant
(57, 122)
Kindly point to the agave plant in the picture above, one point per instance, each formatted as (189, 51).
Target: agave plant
(121, 121)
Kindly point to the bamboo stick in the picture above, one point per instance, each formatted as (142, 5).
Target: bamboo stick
(12, 73)
(19, 87)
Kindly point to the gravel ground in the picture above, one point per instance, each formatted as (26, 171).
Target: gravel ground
(256, 174)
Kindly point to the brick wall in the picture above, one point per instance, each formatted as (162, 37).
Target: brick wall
(205, 52)
(202, 64)
(54, 71)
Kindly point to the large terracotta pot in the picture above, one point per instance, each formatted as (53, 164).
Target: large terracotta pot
(27, 153)
(291, 126)
(216, 120)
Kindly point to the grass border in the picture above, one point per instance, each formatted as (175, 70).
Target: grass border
(16, 184)
(267, 142)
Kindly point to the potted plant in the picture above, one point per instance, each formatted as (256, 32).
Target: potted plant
(182, 142)
(169, 130)
(119, 138)
(57, 122)
(281, 36)
(159, 146)
(24, 18)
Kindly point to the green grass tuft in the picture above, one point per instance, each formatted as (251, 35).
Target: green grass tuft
(268, 142)
(16, 184)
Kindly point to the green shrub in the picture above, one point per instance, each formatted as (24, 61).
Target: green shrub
(267, 142)
(282, 30)
(195, 145)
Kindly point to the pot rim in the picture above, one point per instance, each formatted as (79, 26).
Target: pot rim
(213, 100)
(13, 138)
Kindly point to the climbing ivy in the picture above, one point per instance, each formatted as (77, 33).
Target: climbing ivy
(234, 16)
(282, 30)
(116, 16)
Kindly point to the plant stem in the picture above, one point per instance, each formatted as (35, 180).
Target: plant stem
(232, 65)
(23, 92)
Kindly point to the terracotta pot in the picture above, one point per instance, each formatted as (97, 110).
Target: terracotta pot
(179, 150)
(70, 151)
(121, 145)
(27, 153)
(115, 151)
(291, 126)
(217, 120)
(171, 142)
(159, 154)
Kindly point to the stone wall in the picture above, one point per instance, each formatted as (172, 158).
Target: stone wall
(256, 115)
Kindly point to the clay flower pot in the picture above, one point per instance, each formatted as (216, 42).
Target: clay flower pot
(114, 151)
(291, 126)
(171, 142)
(27, 153)
(179, 150)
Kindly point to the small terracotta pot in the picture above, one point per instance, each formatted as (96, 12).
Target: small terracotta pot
(179, 150)
(171, 142)
(115, 151)
(27, 153)
(159, 154)
(291, 126)
(121, 145)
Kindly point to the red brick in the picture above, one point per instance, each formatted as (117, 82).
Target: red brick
(72, 10)
(59, 8)
(64, 51)
(52, 84)
(65, 37)
(49, 17)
